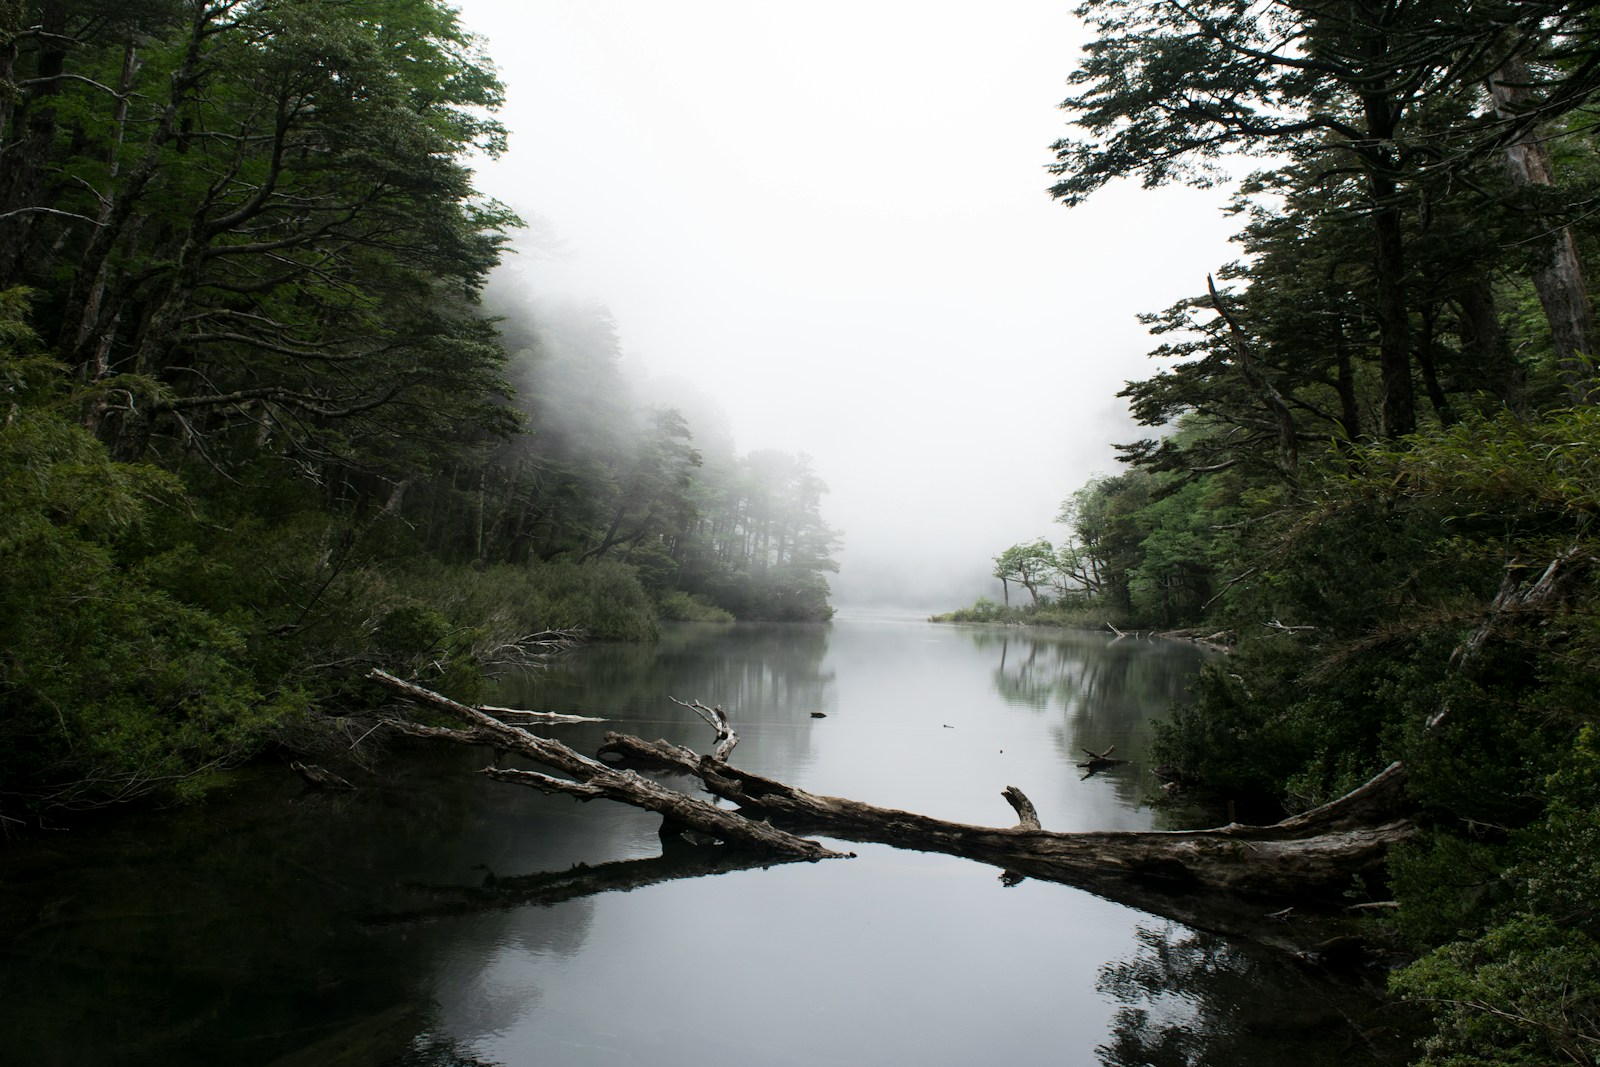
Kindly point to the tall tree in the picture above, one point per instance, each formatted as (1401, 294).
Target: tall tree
(265, 215)
(1167, 89)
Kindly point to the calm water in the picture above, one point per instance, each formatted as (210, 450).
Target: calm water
(285, 927)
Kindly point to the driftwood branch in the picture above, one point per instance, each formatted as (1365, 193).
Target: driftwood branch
(527, 717)
(529, 650)
(718, 721)
(1027, 814)
(545, 783)
(590, 779)
(1099, 761)
(1511, 600)
(319, 777)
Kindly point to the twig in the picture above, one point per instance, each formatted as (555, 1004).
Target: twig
(717, 719)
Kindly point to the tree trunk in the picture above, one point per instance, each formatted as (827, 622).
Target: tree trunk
(591, 779)
(1382, 109)
(1282, 417)
(1558, 278)
(1394, 325)
(1481, 333)
(22, 164)
(1430, 370)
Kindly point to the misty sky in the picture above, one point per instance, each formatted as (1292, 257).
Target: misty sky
(831, 218)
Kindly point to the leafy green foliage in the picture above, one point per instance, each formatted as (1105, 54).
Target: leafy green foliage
(1030, 565)
(111, 686)
(684, 607)
(1527, 988)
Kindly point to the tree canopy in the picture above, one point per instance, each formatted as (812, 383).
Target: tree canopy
(260, 432)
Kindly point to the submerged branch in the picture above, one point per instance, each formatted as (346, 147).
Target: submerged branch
(678, 860)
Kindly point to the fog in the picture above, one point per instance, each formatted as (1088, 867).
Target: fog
(831, 220)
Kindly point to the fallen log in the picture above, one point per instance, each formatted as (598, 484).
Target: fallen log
(1310, 855)
(1213, 879)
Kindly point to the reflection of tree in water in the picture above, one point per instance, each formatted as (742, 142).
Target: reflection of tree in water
(1191, 999)
(439, 1050)
(1109, 689)
(1085, 673)
(750, 669)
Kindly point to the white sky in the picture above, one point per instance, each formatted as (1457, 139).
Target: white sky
(832, 219)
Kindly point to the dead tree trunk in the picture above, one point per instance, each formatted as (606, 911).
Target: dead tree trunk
(1210, 879)
(1311, 855)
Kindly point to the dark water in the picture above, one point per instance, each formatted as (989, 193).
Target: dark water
(279, 926)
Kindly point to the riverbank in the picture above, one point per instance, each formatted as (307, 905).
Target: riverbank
(1081, 617)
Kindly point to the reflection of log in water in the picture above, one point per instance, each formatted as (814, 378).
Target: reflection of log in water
(678, 859)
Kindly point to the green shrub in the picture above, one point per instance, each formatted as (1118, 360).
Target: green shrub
(1526, 993)
(682, 607)
(113, 688)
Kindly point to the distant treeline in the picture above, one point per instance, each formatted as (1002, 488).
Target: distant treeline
(257, 432)
(1377, 471)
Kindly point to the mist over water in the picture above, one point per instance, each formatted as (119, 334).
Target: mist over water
(831, 222)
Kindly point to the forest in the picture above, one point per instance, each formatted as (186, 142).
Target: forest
(268, 427)
(264, 428)
(1374, 466)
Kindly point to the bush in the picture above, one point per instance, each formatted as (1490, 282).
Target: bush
(113, 687)
(1526, 993)
(603, 599)
(1067, 614)
(682, 607)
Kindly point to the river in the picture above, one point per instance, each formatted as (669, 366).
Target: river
(398, 925)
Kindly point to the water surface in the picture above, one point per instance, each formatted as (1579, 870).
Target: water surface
(279, 926)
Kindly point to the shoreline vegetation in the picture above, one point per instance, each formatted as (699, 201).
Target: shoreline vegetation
(1078, 617)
